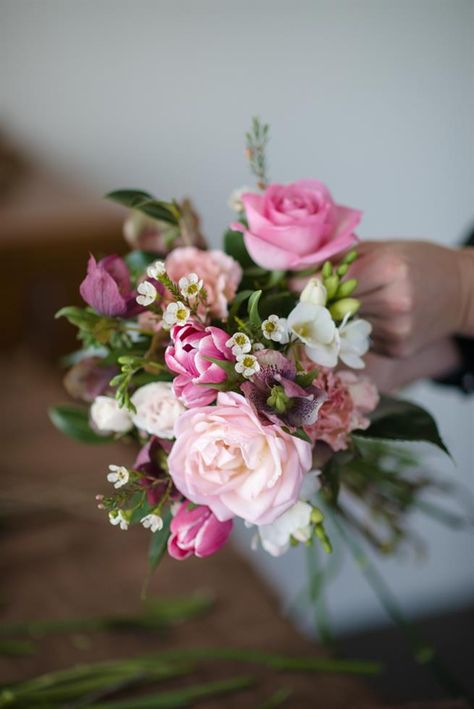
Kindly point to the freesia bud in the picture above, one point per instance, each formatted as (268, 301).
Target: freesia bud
(347, 288)
(332, 284)
(346, 306)
(314, 292)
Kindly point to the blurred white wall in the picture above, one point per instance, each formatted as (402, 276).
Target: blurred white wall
(375, 97)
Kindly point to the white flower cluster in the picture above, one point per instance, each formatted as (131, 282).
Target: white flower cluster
(312, 323)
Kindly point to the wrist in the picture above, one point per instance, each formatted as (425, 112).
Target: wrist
(465, 260)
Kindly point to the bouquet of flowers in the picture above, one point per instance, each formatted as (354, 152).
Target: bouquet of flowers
(238, 375)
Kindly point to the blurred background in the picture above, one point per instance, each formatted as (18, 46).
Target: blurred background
(373, 97)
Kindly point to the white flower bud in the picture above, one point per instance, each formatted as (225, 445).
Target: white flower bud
(107, 416)
(314, 292)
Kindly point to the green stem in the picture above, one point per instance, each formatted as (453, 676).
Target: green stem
(317, 582)
(423, 653)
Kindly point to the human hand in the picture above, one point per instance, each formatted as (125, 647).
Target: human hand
(414, 293)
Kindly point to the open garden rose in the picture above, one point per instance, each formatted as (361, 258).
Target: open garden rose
(188, 355)
(292, 227)
(221, 274)
(226, 458)
(196, 530)
(157, 409)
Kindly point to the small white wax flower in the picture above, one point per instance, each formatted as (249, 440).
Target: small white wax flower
(314, 326)
(355, 341)
(239, 343)
(118, 475)
(190, 285)
(314, 292)
(152, 522)
(247, 365)
(157, 409)
(117, 517)
(235, 198)
(156, 269)
(147, 293)
(295, 522)
(107, 416)
(276, 329)
(257, 347)
(175, 314)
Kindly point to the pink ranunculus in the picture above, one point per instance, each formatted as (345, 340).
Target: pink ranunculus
(221, 274)
(349, 398)
(292, 227)
(187, 355)
(196, 530)
(225, 458)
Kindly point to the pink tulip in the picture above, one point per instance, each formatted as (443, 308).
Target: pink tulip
(197, 531)
(188, 356)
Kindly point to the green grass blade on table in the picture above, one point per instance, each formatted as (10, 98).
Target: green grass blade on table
(275, 661)
(99, 679)
(155, 615)
(184, 697)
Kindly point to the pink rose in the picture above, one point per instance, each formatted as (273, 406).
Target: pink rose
(349, 398)
(221, 274)
(187, 355)
(295, 226)
(196, 531)
(225, 458)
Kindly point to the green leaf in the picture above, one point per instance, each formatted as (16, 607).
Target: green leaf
(73, 421)
(238, 300)
(300, 433)
(90, 323)
(159, 541)
(305, 379)
(234, 246)
(143, 201)
(228, 367)
(137, 261)
(399, 420)
(254, 315)
(279, 303)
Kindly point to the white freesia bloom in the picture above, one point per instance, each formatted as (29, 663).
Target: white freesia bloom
(175, 314)
(314, 326)
(152, 522)
(354, 342)
(190, 285)
(311, 485)
(157, 409)
(117, 517)
(156, 269)
(314, 292)
(295, 522)
(247, 365)
(235, 199)
(239, 343)
(118, 475)
(276, 329)
(107, 416)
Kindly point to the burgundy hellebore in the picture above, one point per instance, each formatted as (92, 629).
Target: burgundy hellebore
(107, 287)
(275, 395)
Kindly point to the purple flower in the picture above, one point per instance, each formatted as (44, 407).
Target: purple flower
(151, 461)
(89, 378)
(275, 395)
(107, 287)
